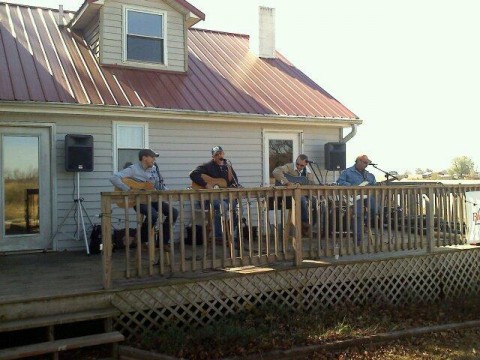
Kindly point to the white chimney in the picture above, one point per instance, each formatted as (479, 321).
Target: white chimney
(266, 32)
(60, 15)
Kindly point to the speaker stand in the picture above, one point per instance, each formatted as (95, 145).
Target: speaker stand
(80, 220)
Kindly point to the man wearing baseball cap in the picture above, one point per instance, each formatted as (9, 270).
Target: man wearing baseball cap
(358, 175)
(146, 171)
(221, 171)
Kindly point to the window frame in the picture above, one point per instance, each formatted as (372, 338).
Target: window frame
(125, 34)
(296, 136)
(116, 126)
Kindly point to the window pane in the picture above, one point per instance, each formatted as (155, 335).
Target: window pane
(127, 157)
(21, 183)
(130, 136)
(143, 49)
(145, 24)
(280, 152)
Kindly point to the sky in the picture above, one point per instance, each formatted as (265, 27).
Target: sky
(409, 69)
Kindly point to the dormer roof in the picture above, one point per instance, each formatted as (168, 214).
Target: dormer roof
(90, 8)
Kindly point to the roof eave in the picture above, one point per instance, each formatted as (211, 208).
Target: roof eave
(191, 9)
(90, 7)
(191, 19)
(85, 14)
(19, 108)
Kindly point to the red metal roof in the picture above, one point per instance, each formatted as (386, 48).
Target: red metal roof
(41, 62)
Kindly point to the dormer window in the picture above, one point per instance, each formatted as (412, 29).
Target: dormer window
(144, 36)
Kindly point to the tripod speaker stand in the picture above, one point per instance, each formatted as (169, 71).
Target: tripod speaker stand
(80, 220)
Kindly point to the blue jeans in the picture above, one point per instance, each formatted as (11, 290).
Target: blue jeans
(218, 215)
(304, 207)
(166, 222)
(362, 220)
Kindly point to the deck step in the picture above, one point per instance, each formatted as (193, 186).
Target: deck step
(66, 318)
(60, 345)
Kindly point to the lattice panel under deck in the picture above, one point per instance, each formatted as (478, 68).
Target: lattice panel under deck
(395, 281)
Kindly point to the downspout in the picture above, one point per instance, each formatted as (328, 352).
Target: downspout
(350, 135)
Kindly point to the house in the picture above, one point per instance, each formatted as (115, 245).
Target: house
(91, 87)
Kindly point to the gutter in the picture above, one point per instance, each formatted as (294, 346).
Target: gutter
(10, 108)
(350, 135)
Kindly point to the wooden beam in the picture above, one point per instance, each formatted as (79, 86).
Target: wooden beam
(57, 319)
(60, 345)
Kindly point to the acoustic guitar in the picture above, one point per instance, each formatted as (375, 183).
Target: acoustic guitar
(134, 185)
(300, 180)
(217, 183)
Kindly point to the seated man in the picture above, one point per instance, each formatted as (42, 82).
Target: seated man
(358, 175)
(299, 168)
(217, 170)
(146, 170)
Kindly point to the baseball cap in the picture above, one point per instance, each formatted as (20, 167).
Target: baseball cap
(216, 149)
(147, 152)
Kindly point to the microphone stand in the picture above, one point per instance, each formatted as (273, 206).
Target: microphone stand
(235, 182)
(387, 174)
(160, 177)
(314, 172)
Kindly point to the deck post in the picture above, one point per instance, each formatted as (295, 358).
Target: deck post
(106, 202)
(430, 219)
(297, 225)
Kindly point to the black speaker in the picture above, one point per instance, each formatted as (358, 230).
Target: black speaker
(78, 153)
(335, 156)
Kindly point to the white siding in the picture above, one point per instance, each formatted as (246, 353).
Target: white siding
(92, 36)
(182, 146)
(112, 22)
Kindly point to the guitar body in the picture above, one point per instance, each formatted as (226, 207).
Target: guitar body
(300, 180)
(134, 185)
(217, 183)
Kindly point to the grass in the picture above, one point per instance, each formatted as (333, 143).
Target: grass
(271, 327)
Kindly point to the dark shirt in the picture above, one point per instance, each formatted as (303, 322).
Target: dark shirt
(215, 171)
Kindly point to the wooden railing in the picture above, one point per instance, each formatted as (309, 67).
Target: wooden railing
(264, 225)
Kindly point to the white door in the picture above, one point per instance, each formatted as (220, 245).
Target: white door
(25, 188)
(279, 148)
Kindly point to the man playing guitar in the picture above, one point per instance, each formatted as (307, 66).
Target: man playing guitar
(217, 168)
(218, 172)
(146, 172)
(298, 172)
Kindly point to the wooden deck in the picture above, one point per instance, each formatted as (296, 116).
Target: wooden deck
(38, 276)
(42, 275)
(48, 289)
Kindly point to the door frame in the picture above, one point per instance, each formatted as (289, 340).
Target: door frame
(47, 181)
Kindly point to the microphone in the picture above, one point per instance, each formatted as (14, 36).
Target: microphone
(373, 164)
(311, 162)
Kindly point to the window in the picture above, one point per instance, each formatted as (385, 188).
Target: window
(279, 149)
(145, 36)
(129, 140)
